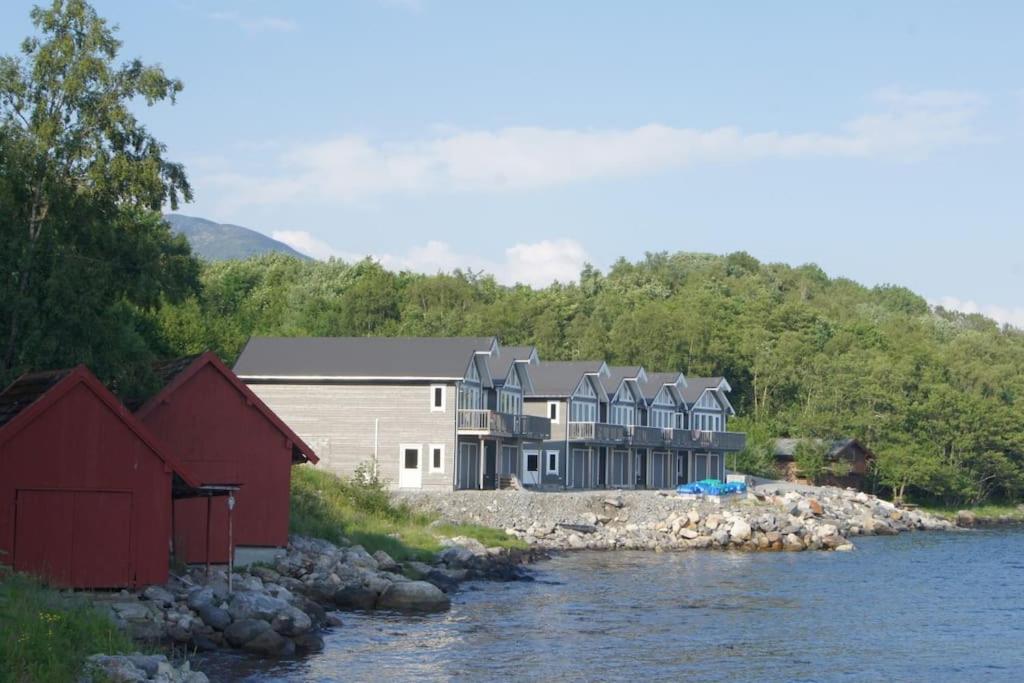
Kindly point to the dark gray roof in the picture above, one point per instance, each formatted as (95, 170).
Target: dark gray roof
(656, 380)
(359, 357)
(617, 373)
(506, 356)
(785, 449)
(695, 386)
(560, 378)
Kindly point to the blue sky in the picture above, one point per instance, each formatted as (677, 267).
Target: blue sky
(879, 140)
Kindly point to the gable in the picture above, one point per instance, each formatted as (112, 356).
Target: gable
(585, 389)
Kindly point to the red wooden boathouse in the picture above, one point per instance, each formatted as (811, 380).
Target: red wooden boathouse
(223, 432)
(85, 489)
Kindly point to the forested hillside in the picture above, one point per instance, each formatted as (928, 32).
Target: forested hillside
(938, 395)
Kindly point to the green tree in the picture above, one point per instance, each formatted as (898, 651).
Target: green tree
(86, 256)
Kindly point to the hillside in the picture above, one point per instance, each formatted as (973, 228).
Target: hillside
(938, 395)
(223, 241)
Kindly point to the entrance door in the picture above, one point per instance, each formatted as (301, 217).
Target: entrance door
(681, 467)
(602, 467)
(469, 466)
(714, 467)
(410, 466)
(578, 469)
(490, 465)
(531, 468)
(641, 469)
(75, 539)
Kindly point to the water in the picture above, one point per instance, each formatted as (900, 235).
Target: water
(917, 607)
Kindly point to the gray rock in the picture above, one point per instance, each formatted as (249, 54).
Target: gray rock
(966, 518)
(386, 563)
(148, 663)
(355, 596)
(358, 557)
(266, 574)
(199, 597)
(309, 642)
(131, 611)
(241, 632)
(414, 596)
(740, 531)
(291, 621)
(270, 644)
(160, 596)
(214, 616)
(252, 605)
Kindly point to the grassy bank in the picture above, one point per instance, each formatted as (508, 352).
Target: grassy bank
(986, 514)
(326, 506)
(45, 636)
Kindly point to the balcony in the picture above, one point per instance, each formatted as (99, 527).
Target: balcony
(598, 432)
(645, 436)
(697, 440)
(493, 423)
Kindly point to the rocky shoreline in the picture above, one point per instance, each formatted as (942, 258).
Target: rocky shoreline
(769, 519)
(284, 608)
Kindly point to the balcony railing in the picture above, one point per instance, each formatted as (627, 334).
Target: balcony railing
(493, 423)
(596, 431)
(533, 427)
(645, 436)
(697, 439)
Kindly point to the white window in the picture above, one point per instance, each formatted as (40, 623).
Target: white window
(437, 398)
(551, 462)
(436, 457)
(553, 411)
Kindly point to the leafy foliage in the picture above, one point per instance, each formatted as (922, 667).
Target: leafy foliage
(937, 395)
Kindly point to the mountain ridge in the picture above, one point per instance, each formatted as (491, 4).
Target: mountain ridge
(225, 241)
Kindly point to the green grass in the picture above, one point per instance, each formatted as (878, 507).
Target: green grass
(985, 513)
(46, 636)
(329, 507)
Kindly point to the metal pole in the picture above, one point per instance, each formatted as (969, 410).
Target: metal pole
(231, 541)
(209, 510)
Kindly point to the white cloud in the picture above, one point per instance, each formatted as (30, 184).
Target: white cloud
(536, 264)
(908, 126)
(256, 24)
(1001, 314)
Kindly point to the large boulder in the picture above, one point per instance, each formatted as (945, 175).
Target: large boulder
(253, 605)
(386, 563)
(241, 632)
(159, 595)
(414, 596)
(740, 531)
(199, 597)
(270, 644)
(309, 642)
(291, 621)
(214, 616)
(966, 518)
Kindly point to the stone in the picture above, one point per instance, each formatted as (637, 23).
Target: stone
(740, 531)
(358, 557)
(720, 537)
(576, 543)
(266, 574)
(147, 663)
(386, 563)
(131, 611)
(333, 620)
(589, 518)
(291, 621)
(160, 596)
(270, 644)
(414, 596)
(688, 534)
(456, 556)
(355, 596)
(693, 517)
(309, 642)
(241, 583)
(199, 597)
(241, 632)
(712, 522)
(614, 502)
(815, 507)
(793, 542)
(844, 547)
(966, 518)
(214, 616)
(251, 605)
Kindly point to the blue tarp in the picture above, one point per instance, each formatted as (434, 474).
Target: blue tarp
(712, 487)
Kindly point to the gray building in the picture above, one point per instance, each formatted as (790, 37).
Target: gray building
(466, 412)
(422, 412)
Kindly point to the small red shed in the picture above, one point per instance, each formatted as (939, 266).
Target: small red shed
(85, 489)
(222, 431)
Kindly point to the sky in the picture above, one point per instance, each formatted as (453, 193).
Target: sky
(882, 141)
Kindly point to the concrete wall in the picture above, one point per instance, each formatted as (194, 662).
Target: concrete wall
(337, 421)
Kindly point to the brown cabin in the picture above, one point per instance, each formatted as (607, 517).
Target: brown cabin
(851, 458)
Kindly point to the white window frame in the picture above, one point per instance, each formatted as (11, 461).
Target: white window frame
(444, 398)
(547, 462)
(558, 412)
(430, 454)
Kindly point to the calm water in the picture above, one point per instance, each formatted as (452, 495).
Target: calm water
(917, 607)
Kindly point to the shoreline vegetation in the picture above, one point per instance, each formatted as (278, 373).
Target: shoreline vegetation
(359, 510)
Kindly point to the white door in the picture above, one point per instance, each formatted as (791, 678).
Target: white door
(410, 466)
(531, 468)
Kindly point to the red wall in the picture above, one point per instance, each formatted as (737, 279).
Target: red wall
(207, 423)
(80, 447)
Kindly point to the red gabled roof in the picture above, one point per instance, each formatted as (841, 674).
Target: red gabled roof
(178, 373)
(32, 394)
